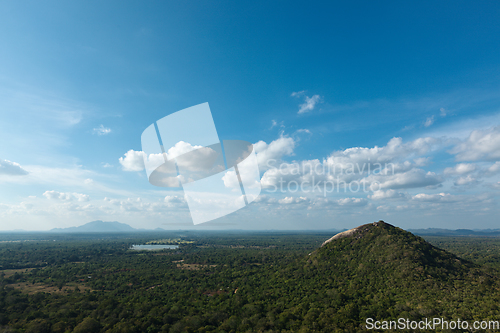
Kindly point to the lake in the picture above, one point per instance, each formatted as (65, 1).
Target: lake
(154, 247)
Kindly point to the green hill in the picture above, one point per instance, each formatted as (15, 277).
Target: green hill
(379, 250)
(383, 272)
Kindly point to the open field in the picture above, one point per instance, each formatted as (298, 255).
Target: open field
(10, 272)
(194, 266)
(32, 288)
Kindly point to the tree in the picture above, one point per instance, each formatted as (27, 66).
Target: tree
(88, 325)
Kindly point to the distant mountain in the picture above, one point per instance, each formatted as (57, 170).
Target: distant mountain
(458, 232)
(98, 226)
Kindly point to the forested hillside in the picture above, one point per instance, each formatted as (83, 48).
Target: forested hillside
(238, 282)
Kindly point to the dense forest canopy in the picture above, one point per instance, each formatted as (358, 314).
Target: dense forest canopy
(242, 281)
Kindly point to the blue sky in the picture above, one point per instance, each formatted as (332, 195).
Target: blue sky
(416, 85)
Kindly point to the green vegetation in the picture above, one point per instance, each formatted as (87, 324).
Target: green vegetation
(243, 282)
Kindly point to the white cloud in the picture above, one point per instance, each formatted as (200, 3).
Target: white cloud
(133, 161)
(101, 130)
(394, 150)
(11, 168)
(81, 197)
(174, 201)
(54, 195)
(467, 180)
(343, 203)
(274, 151)
(413, 178)
(65, 196)
(352, 201)
(107, 165)
(64, 209)
(389, 194)
(200, 159)
(309, 104)
(434, 198)
(422, 161)
(304, 130)
(480, 145)
(298, 93)
(293, 200)
(372, 168)
(180, 148)
(460, 169)
(443, 112)
(64, 178)
(429, 121)
(494, 168)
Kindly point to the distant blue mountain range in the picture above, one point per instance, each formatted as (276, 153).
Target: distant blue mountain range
(98, 226)
(457, 232)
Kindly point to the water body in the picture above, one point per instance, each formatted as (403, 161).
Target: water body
(154, 247)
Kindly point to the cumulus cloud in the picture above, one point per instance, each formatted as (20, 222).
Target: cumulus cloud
(293, 200)
(328, 203)
(393, 166)
(65, 196)
(133, 161)
(265, 199)
(101, 130)
(11, 168)
(494, 168)
(181, 148)
(394, 150)
(296, 202)
(434, 198)
(422, 161)
(460, 169)
(467, 180)
(413, 178)
(389, 194)
(62, 209)
(169, 204)
(199, 159)
(274, 151)
(480, 145)
(352, 202)
(81, 197)
(174, 201)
